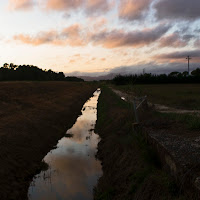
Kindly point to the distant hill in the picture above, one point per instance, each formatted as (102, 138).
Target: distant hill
(98, 78)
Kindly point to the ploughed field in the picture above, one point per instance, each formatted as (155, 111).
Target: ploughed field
(34, 115)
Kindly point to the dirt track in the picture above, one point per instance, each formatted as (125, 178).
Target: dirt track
(34, 115)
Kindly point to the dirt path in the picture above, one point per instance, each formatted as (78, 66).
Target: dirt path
(34, 116)
(158, 107)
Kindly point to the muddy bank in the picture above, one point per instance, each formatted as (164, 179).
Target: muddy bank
(34, 115)
(131, 169)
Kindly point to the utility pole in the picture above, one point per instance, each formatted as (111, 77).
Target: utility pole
(188, 58)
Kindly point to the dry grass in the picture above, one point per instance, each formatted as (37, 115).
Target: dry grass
(186, 96)
(34, 115)
(131, 169)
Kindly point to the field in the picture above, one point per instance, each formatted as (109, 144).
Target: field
(131, 168)
(34, 115)
(184, 96)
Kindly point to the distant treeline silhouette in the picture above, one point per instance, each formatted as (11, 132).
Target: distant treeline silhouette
(11, 72)
(173, 77)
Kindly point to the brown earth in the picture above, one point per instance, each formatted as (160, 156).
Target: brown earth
(34, 115)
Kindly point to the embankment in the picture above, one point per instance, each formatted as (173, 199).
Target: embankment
(131, 168)
(34, 115)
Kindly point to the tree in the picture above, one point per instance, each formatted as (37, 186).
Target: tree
(174, 74)
(5, 65)
(196, 72)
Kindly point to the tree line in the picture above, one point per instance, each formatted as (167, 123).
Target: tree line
(148, 78)
(12, 72)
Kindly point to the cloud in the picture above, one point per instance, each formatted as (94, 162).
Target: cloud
(72, 61)
(21, 4)
(197, 43)
(76, 35)
(178, 9)
(61, 5)
(89, 6)
(172, 40)
(120, 38)
(151, 67)
(68, 36)
(40, 38)
(96, 6)
(133, 9)
(179, 54)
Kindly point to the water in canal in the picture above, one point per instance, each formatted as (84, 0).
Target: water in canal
(73, 169)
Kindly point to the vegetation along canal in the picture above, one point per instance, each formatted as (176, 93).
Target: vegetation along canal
(73, 170)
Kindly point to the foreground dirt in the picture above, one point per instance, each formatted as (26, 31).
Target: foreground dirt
(34, 115)
(131, 169)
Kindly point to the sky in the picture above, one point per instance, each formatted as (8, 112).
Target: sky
(96, 37)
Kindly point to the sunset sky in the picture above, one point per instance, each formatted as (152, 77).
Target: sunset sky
(101, 36)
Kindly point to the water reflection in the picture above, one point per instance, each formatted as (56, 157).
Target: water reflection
(73, 170)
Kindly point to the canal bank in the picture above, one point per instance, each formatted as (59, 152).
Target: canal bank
(34, 116)
(72, 170)
(131, 168)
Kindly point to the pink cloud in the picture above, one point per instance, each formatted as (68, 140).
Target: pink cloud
(21, 4)
(120, 38)
(68, 36)
(63, 4)
(90, 6)
(72, 61)
(173, 40)
(133, 9)
(76, 35)
(40, 38)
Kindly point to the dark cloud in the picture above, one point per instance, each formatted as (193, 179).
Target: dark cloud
(152, 67)
(96, 6)
(179, 54)
(178, 9)
(173, 40)
(188, 36)
(119, 38)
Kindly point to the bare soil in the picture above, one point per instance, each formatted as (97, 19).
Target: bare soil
(34, 115)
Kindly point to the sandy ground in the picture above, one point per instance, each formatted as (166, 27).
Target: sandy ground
(34, 115)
